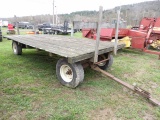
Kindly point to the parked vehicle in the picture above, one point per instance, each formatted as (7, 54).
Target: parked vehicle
(5, 23)
(62, 29)
(44, 25)
(30, 26)
(57, 30)
(25, 25)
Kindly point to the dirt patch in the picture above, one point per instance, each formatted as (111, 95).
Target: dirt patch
(86, 89)
(148, 116)
(102, 114)
(153, 84)
(19, 115)
(126, 75)
(140, 72)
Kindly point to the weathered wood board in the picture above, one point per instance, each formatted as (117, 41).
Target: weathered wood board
(75, 49)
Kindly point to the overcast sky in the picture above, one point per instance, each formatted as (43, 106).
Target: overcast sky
(9, 8)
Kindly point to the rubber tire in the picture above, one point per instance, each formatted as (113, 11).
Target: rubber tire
(108, 62)
(78, 73)
(158, 48)
(1, 39)
(18, 48)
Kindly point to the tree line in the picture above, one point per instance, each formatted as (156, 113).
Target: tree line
(132, 14)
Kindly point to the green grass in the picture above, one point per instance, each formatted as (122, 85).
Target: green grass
(30, 90)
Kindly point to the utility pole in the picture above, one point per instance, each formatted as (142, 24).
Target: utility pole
(56, 15)
(53, 12)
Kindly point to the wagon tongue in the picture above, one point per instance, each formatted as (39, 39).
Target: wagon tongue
(146, 95)
(135, 88)
(155, 102)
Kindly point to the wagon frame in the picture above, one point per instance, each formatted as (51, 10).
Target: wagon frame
(75, 53)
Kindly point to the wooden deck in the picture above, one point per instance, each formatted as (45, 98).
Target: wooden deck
(75, 49)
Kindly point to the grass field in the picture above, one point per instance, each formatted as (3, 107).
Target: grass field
(29, 88)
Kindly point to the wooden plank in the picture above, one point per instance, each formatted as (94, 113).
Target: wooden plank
(72, 48)
(72, 44)
(74, 40)
(17, 24)
(46, 47)
(77, 46)
(82, 42)
(98, 35)
(90, 55)
(62, 48)
(116, 35)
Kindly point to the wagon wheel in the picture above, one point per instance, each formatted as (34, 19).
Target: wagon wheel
(17, 48)
(70, 75)
(158, 48)
(107, 64)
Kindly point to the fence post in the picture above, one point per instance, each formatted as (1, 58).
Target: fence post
(72, 29)
(98, 34)
(17, 26)
(116, 35)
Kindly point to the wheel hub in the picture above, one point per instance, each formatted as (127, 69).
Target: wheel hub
(101, 57)
(66, 73)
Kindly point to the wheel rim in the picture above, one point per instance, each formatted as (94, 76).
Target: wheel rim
(66, 73)
(14, 48)
(158, 47)
(102, 57)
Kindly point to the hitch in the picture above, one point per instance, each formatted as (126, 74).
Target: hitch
(135, 88)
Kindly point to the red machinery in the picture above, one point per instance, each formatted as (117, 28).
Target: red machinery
(147, 33)
(10, 29)
(106, 34)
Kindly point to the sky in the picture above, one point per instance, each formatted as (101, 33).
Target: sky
(9, 8)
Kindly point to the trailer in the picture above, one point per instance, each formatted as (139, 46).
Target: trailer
(75, 53)
(58, 29)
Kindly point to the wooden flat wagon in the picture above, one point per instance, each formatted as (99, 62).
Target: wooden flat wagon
(75, 53)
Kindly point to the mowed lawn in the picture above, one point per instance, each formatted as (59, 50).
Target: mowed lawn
(29, 89)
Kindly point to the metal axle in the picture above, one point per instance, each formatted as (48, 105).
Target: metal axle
(135, 89)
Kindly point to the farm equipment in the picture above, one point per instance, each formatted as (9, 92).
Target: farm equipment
(147, 34)
(156, 44)
(11, 29)
(150, 26)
